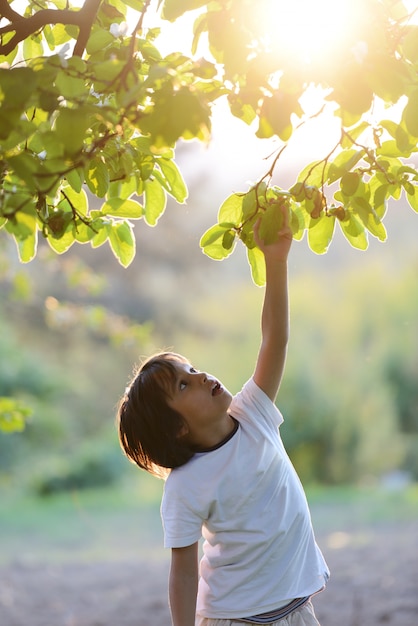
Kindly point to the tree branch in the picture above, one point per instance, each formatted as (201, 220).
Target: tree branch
(7, 12)
(138, 26)
(24, 27)
(89, 10)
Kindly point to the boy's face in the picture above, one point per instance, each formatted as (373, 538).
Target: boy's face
(203, 403)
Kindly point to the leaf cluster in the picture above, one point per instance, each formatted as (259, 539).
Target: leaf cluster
(13, 414)
(107, 123)
(372, 160)
(86, 103)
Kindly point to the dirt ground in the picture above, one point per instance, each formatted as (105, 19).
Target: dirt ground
(374, 583)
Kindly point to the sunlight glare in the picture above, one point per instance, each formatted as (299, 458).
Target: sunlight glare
(305, 30)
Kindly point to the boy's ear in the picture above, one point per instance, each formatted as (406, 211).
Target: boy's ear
(184, 430)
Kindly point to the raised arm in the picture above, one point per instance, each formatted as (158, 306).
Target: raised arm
(275, 314)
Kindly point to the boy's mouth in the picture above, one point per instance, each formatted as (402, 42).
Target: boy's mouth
(216, 389)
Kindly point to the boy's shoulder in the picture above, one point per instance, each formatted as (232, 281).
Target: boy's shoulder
(252, 404)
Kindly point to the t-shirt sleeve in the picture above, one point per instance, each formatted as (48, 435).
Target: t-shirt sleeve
(181, 518)
(251, 403)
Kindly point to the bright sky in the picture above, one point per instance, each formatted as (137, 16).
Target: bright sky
(289, 25)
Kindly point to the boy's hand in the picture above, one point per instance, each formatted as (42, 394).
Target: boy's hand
(278, 249)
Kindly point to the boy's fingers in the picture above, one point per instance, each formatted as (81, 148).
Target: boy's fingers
(284, 232)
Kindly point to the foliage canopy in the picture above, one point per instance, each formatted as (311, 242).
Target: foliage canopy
(87, 101)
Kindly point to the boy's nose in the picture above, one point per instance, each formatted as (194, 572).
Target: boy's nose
(203, 377)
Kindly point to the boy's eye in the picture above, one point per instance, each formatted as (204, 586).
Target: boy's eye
(193, 370)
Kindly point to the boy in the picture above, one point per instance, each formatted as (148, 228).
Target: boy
(230, 480)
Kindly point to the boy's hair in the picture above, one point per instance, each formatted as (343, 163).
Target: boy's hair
(149, 430)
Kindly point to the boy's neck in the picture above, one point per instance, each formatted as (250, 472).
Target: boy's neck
(213, 438)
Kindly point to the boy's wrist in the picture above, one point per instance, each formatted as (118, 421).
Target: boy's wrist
(273, 258)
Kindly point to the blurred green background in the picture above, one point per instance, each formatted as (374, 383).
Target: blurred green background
(72, 328)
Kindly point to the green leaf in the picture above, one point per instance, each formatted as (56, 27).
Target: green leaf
(75, 179)
(344, 162)
(173, 180)
(354, 232)
(70, 87)
(99, 40)
(314, 174)
(77, 65)
(76, 199)
(249, 204)
(97, 177)
(120, 207)
(24, 224)
(58, 33)
(275, 116)
(25, 166)
(16, 87)
(369, 218)
(172, 9)
(410, 116)
(243, 110)
(353, 135)
(212, 243)
(271, 223)
(354, 95)
(206, 70)
(182, 113)
(27, 247)
(380, 199)
(70, 127)
(298, 222)
(83, 232)
(391, 148)
(410, 43)
(63, 243)
(258, 266)
(388, 77)
(155, 201)
(404, 141)
(9, 58)
(128, 188)
(108, 71)
(413, 199)
(122, 242)
(148, 51)
(200, 26)
(231, 209)
(32, 47)
(349, 183)
(320, 233)
(102, 233)
(229, 239)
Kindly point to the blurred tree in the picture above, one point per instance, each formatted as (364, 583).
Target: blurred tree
(87, 100)
(403, 379)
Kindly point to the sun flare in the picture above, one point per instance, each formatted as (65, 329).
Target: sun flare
(307, 31)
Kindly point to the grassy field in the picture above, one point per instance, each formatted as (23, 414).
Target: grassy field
(123, 523)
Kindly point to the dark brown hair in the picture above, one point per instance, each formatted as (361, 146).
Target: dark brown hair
(149, 430)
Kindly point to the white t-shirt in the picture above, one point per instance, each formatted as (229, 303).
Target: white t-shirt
(247, 502)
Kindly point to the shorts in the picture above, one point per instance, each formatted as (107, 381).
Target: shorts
(304, 616)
